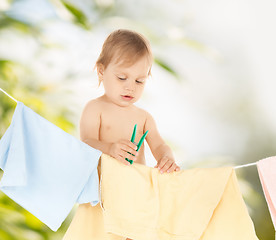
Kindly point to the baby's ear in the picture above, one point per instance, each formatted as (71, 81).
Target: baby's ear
(100, 70)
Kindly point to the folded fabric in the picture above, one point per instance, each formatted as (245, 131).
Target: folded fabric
(267, 173)
(140, 203)
(46, 170)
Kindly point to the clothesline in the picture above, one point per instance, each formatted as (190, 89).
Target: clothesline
(8, 95)
(236, 167)
(246, 165)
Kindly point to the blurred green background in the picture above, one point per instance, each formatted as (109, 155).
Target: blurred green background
(211, 90)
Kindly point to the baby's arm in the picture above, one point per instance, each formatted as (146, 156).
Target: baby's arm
(90, 123)
(160, 150)
(90, 127)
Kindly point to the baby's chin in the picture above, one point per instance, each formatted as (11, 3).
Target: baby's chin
(124, 103)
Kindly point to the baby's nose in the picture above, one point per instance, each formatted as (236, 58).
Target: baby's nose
(130, 86)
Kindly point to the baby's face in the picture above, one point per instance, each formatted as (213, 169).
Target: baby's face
(124, 85)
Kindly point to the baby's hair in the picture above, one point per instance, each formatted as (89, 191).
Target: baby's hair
(125, 47)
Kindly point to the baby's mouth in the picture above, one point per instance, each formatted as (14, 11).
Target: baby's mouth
(127, 97)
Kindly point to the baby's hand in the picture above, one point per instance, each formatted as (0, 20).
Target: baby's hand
(167, 164)
(123, 149)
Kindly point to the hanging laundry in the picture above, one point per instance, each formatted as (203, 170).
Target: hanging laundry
(140, 203)
(46, 170)
(267, 173)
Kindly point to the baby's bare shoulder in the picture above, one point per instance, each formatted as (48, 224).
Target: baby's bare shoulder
(94, 104)
(139, 112)
(91, 110)
(143, 112)
(149, 119)
(146, 116)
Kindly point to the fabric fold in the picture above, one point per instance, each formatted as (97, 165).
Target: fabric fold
(10, 145)
(140, 203)
(46, 170)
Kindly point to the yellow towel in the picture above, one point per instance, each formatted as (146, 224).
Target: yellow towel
(140, 203)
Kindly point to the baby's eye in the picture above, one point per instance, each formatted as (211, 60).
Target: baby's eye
(122, 78)
(139, 81)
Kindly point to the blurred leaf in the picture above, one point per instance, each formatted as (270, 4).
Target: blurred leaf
(79, 16)
(166, 66)
(8, 22)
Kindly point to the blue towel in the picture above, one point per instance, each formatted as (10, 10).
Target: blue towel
(46, 170)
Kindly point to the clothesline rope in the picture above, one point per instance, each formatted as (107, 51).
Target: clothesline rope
(240, 166)
(246, 165)
(8, 95)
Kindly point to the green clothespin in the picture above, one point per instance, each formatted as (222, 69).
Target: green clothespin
(140, 142)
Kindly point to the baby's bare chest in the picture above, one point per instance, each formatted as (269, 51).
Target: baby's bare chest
(116, 124)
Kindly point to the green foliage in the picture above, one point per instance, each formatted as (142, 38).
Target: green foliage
(8, 22)
(166, 67)
(79, 16)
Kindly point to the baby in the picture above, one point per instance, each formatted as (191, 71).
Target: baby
(107, 122)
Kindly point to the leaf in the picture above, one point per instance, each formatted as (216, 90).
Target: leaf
(8, 22)
(165, 66)
(79, 16)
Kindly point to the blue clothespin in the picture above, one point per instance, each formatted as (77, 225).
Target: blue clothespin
(140, 142)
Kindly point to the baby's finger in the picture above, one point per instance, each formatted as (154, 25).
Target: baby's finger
(162, 162)
(130, 144)
(177, 168)
(128, 155)
(166, 166)
(171, 168)
(127, 148)
(123, 160)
